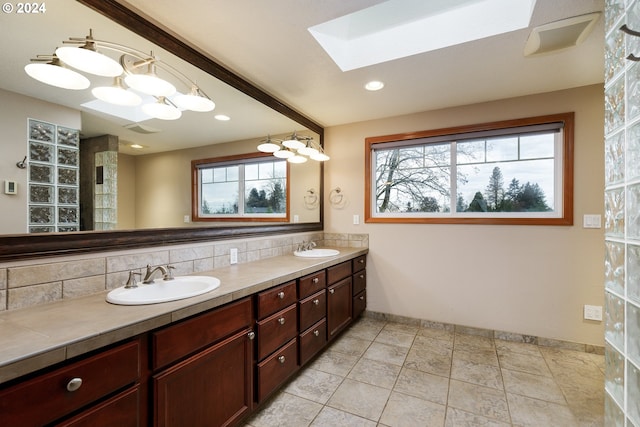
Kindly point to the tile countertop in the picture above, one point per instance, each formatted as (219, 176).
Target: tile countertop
(37, 337)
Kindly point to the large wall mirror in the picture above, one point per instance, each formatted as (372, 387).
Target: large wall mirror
(150, 199)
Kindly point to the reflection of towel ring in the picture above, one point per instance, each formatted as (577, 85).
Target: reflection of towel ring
(311, 199)
(336, 198)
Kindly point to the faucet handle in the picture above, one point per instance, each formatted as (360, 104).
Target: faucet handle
(168, 275)
(131, 281)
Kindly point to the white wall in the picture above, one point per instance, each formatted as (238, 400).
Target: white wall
(525, 279)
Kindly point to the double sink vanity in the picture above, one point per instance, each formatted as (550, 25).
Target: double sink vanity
(206, 360)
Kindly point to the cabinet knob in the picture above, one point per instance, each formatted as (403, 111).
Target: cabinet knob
(361, 261)
(74, 384)
(361, 297)
(332, 291)
(315, 280)
(362, 276)
(251, 335)
(281, 320)
(281, 359)
(316, 332)
(316, 301)
(281, 295)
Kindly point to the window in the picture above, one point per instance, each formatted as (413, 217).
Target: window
(511, 172)
(251, 187)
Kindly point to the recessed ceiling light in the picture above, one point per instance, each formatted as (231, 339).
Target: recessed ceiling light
(222, 117)
(136, 146)
(374, 85)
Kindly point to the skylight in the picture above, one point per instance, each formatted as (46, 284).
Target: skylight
(400, 28)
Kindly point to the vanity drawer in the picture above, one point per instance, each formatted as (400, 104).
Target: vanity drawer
(276, 330)
(338, 272)
(312, 341)
(275, 299)
(184, 338)
(359, 304)
(359, 282)
(311, 284)
(47, 397)
(274, 370)
(312, 309)
(359, 263)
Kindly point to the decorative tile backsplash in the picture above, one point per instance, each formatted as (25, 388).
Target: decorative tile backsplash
(39, 282)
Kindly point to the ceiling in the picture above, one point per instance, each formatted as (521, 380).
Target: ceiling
(268, 43)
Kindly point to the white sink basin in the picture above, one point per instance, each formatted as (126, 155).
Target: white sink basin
(317, 253)
(163, 290)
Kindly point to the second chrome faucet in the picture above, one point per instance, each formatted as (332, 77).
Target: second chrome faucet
(165, 270)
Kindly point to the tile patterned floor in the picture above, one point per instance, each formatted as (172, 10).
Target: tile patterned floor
(394, 375)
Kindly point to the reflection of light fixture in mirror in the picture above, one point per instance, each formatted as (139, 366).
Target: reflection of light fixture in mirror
(86, 58)
(162, 109)
(55, 74)
(116, 94)
(293, 146)
(222, 117)
(136, 146)
(138, 69)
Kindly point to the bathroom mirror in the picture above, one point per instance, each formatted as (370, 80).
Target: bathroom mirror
(254, 114)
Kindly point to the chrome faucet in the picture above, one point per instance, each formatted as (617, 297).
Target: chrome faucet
(304, 246)
(165, 270)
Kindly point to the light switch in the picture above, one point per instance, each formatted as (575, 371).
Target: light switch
(592, 221)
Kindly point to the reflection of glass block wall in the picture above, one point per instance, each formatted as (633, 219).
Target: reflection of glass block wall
(105, 214)
(622, 216)
(53, 178)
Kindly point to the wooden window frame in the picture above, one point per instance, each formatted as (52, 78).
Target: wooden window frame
(241, 158)
(566, 216)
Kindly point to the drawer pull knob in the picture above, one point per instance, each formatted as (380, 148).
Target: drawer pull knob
(332, 291)
(361, 261)
(251, 335)
(74, 384)
(316, 332)
(316, 301)
(281, 359)
(361, 297)
(362, 276)
(315, 280)
(281, 295)
(281, 320)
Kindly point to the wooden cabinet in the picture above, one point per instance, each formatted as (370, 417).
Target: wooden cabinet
(277, 329)
(359, 285)
(313, 313)
(339, 298)
(212, 384)
(81, 385)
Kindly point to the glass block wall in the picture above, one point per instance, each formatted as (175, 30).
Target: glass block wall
(53, 177)
(622, 215)
(105, 199)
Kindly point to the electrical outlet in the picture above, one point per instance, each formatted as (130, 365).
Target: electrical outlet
(233, 256)
(593, 312)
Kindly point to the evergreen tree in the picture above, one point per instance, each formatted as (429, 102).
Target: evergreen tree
(429, 204)
(495, 190)
(478, 204)
(276, 201)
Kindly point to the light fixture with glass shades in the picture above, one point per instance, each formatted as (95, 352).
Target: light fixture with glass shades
(294, 148)
(134, 73)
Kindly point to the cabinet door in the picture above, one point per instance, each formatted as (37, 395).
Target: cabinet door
(212, 388)
(339, 299)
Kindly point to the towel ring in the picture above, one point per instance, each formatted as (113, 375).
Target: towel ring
(311, 199)
(336, 198)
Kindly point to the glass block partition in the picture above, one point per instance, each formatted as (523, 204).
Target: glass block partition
(53, 178)
(622, 215)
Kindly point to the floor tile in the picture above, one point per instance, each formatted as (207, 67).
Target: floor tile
(401, 327)
(426, 360)
(314, 385)
(352, 346)
(528, 412)
(376, 373)
(425, 386)
(386, 353)
(331, 417)
(518, 347)
(334, 362)
(401, 339)
(475, 373)
(524, 363)
(286, 410)
(459, 418)
(480, 356)
(364, 400)
(403, 410)
(440, 334)
(485, 401)
(472, 342)
(366, 329)
(536, 386)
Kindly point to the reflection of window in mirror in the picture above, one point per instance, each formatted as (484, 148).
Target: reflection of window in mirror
(240, 188)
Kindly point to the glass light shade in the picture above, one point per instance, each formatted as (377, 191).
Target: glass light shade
(320, 157)
(162, 111)
(56, 75)
(194, 101)
(89, 61)
(284, 154)
(308, 150)
(297, 159)
(268, 147)
(116, 94)
(293, 143)
(150, 84)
